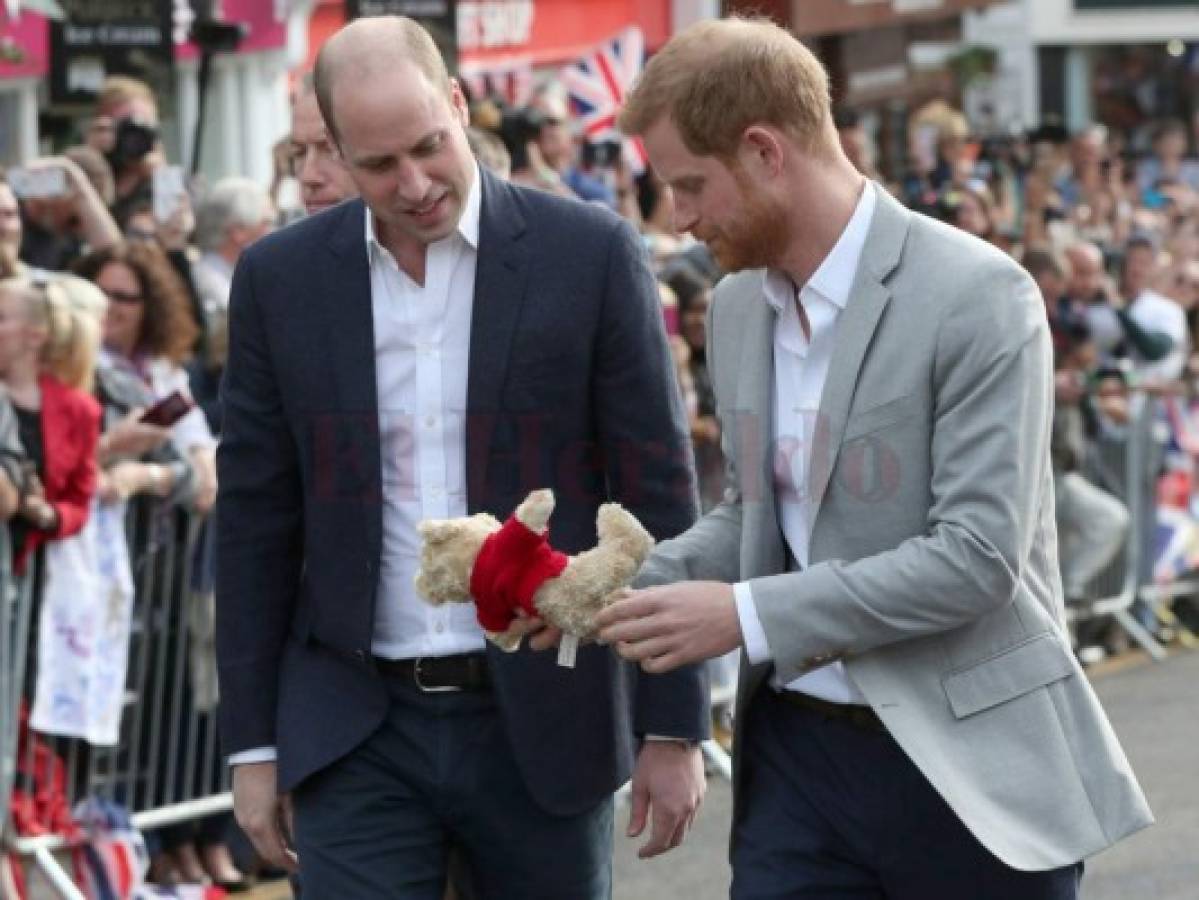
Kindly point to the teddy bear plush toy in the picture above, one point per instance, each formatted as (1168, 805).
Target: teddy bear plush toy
(510, 567)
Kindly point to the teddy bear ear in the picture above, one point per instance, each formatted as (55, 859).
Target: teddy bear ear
(436, 531)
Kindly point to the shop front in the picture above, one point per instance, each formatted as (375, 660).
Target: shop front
(24, 61)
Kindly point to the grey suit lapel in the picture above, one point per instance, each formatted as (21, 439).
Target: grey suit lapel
(754, 433)
(855, 329)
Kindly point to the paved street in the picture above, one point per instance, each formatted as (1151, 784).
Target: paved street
(1155, 713)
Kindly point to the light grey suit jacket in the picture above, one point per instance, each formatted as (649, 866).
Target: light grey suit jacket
(933, 573)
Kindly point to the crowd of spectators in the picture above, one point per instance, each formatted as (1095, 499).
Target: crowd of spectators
(114, 290)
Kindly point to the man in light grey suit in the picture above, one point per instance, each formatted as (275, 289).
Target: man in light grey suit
(911, 722)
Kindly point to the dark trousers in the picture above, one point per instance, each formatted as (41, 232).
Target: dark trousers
(439, 772)
(835, 810)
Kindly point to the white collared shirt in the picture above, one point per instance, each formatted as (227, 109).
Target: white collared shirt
(422, 352)
(800, 368)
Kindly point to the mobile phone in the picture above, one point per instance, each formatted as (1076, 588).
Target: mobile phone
(40, 183)
(168, 188)
(167, 411)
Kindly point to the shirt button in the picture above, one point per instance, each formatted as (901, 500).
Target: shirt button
(436, 490)
(439, 627)
(430, 421)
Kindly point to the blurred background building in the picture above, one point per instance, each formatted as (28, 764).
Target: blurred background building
(1009, 65)
(1126, 63)
(51, 69)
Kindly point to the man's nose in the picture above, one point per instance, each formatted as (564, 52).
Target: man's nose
(310, 169)
(413, 184)
(684, 217)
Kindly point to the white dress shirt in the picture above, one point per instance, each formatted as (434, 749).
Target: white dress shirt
(422, 349)
(800, 368)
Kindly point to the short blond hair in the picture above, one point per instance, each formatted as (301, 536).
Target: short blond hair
(718, 77)
(118, 90)
(72, 337)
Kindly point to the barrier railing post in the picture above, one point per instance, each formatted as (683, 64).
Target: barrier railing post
(166, 768)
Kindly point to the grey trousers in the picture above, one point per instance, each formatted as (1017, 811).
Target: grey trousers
(1092, 526)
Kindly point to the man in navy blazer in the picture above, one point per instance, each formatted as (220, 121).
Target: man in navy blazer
(442, 346)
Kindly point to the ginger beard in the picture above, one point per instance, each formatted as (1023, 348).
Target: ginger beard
(754, 238)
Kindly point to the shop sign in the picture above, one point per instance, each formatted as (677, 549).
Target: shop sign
(23, 46)
(486, 26)
(106, 37)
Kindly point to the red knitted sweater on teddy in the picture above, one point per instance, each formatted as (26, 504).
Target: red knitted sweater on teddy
(512, 564)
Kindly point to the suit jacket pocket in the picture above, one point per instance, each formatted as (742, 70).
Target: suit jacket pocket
(879, 416)
(1033, 663)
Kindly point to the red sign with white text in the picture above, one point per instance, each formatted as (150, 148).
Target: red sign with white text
(546, 32)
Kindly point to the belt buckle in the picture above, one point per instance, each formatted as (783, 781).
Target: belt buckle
(430, 689)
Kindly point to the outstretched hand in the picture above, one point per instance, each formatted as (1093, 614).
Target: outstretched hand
(666, 627)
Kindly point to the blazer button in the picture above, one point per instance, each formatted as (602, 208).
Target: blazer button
(360, 655)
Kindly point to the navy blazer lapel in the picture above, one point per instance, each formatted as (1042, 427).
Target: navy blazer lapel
(348, 325)
(349, 318)
(500, 277)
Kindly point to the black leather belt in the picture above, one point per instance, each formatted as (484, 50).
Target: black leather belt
(850, 713)
(440, 674)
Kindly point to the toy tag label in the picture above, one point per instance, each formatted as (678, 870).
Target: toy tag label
(568, 649)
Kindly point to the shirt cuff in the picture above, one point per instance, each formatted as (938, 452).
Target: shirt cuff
(257, 755)
(752, 632)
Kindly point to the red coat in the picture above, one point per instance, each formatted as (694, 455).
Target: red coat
(70, 431)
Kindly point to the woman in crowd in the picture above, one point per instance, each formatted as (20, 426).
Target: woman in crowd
(149, 333)
(42, 351)
(972, 209)
(134, 458)
(693, 294)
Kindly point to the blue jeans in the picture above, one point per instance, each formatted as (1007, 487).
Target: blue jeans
(379, 822)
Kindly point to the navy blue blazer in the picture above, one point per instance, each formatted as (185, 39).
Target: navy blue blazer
(571, 386)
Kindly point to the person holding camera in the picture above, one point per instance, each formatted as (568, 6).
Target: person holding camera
(62, 212)
(125, 130)
(1117, 329)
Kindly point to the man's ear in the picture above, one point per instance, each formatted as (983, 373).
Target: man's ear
(761, 151)
(458, 102)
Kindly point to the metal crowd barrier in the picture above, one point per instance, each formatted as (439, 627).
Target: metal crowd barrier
(15, 611)
(1127, 467)
(166, 768)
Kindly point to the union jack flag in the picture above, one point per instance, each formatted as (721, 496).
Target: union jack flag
(597, 85)
(512, 80)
